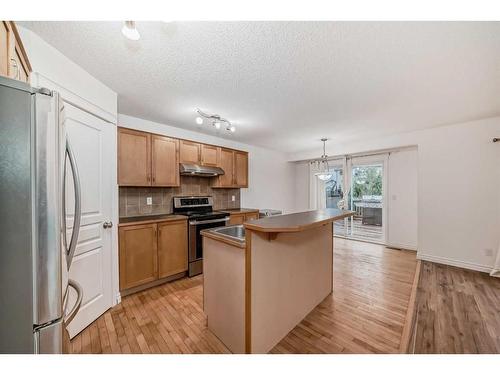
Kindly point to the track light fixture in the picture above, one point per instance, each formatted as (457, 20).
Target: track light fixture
(215, 119)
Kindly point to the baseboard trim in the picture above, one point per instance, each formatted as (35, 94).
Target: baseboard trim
(401, 247)
(455, 263)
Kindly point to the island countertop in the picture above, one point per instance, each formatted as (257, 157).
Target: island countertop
(297, 222)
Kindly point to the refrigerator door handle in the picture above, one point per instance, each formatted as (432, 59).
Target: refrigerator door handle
(79, 291)
(70, 251)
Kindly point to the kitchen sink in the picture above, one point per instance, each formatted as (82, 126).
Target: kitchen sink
(234, 232)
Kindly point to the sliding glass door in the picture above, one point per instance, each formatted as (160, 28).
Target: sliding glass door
(367, 200)
(365, 179)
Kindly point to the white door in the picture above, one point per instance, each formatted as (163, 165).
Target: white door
(91, 139)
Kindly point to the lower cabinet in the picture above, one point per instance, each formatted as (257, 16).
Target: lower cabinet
(172, 248)
(240, 218)
(149, 252)
(138, 255)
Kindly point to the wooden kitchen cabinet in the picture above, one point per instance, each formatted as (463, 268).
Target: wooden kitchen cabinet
(134, 158)
(146, 159)
(153, 251)
(172, 248)
(189, 152)
(240, 169)
(226, 162)
(235, 166)
(14, 61)
(238, 218)
(251, 216)
(165, 161)
(210, 155)
(138, 255)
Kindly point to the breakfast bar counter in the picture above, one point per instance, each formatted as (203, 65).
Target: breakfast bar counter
(259, 286)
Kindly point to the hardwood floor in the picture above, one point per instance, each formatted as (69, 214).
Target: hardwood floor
(367, 310)
(458, 311)
(165, 319)
(365, 314)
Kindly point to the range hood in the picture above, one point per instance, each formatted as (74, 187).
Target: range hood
(200, 170)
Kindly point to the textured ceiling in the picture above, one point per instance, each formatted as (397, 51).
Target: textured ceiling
(287, 84)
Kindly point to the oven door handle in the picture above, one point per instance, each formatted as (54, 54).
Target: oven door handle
(196, 222)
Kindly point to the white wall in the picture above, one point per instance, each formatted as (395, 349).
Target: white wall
(458, 189)
(271, 176)
(54, 70)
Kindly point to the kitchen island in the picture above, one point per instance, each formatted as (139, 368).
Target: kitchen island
(262, 279)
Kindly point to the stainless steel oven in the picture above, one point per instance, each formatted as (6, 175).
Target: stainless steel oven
(201, 216)
(196, 242)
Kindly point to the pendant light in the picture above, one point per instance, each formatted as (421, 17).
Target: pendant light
(323, 173)
(129, 30)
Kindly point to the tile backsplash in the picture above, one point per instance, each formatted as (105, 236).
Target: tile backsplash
(133, 199)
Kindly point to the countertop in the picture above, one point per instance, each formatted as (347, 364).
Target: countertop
(148, 219)
(216, 236)
(297, 222)
(240, 210)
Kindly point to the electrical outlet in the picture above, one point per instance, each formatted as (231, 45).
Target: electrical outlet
(488, 252)
(233, 198)
(149, 201)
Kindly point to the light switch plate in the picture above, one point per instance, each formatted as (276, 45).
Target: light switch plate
(149, 201)
(233, 198)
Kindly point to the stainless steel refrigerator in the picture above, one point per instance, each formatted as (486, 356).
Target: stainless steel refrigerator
(35, 254)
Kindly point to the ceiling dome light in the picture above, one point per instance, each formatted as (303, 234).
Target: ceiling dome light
(130, 31)
(199, 120)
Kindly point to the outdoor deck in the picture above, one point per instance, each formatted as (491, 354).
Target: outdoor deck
(371, 233)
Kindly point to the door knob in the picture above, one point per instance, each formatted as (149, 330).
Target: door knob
(107, 224)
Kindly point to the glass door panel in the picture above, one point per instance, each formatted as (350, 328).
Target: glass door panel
(367, 200)
(334, 191)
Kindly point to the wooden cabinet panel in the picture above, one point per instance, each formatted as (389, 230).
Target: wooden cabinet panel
(210, 155)
(5, 41)
(172, 248)
(165, 161)
(226, 160)
(189, 152)
(134, 158)
(138, 255)
(251, 216)
(20, 70)
(236, 219)
(240, 169)
(14, 62)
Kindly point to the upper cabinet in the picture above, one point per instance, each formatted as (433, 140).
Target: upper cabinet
(14, 62)
(165, 161)
(134, 158)
(235, 166)
(146, 159)
(241, 169)
(210, 155)
(189, 152)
